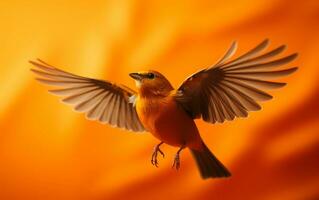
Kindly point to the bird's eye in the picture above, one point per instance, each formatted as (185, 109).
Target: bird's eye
(150, 76)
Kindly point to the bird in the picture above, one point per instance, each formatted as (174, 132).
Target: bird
(227, 90)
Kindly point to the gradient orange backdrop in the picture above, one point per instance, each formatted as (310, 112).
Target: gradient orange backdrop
(48, 152)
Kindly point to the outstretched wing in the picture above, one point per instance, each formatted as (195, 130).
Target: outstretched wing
(101, 100)
(230, 89)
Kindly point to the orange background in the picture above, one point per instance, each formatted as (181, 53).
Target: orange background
(48, 152)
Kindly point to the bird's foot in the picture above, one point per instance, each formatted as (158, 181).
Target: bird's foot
(177, 162)
(157, 150)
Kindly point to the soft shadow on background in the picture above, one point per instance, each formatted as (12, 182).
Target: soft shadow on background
(49, 152)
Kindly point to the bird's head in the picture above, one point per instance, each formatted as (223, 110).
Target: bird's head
(151, 83)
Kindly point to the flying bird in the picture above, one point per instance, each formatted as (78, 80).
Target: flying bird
(227, 90)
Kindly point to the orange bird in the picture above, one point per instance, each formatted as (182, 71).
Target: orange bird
(228, 89)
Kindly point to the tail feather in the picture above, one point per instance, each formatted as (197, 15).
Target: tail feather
(209, 166)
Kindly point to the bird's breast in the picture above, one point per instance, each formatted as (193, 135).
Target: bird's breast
(151, 110)
(166, 121)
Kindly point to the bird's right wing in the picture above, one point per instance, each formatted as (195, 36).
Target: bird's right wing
(101, 100)
(230, 89)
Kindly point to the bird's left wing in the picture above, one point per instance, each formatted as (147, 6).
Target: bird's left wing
(101, 100)
(230, 89)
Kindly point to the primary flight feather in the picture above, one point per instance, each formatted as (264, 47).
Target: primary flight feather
(224, 91)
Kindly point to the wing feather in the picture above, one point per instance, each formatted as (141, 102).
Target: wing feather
(100, 100)
(257, 59)
(230, 52)
(61, 83)
(220, 114)
(107, 110)
(232, 88)
(250, 53)
(253, 92)
(71, 90)
(115, 111)
(248, 103)
(264, 65)
(228, 113)
(256, 82)
(81, 97)
(97, 110)
(226, 103)
(237, 107)
(262, 74)
(89, 103)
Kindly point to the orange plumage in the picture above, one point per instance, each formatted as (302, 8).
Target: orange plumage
(167, 122)
(227, 90)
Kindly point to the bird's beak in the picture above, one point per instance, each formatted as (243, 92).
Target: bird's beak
(136, 76)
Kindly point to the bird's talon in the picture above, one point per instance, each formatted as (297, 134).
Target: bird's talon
(161, 152)
(176, 163)
(154, 160)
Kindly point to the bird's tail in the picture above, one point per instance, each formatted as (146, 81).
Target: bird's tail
(209, 166)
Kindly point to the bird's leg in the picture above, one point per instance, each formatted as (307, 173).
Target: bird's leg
(154, 155)
(177, 162)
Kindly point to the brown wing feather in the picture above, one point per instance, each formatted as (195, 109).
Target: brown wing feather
(100, 100)
(231, 89)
